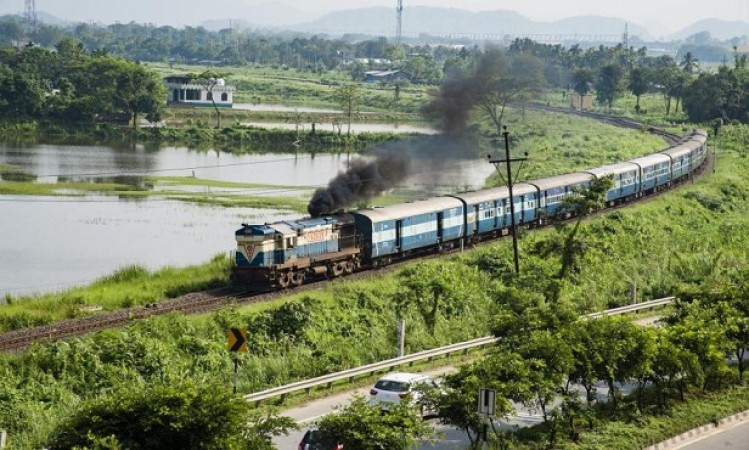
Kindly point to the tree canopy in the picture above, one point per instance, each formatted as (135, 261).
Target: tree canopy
(75, 86)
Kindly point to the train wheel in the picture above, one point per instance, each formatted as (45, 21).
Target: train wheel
(348, 267)
(338, 269)
(297, 278)
(283, 280)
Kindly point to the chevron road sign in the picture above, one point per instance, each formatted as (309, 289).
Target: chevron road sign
(236, 340)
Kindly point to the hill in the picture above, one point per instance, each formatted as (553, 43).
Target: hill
(425, 19)
(719, 29)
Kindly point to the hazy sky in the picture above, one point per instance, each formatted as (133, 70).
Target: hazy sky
(671, 14)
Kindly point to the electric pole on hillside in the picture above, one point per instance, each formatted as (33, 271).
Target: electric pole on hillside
(398, 27)
(508, 165)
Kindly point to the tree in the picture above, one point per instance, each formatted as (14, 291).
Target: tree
(549, 358)
(395, 53)
(609, 84)
(174, 415)
(672, 81)
(21, 95)
(689, 63)
(621, 351)
(722, 95)
(497, 84)
(436, 291)
(582, 83)
(210, 79)
(457, 399)
(583, 201)
(349, 97)
(356, 70)
(423, 68)
(638, 84)
(139, 91)
(698, 331)
(671, 363)
(366, 427)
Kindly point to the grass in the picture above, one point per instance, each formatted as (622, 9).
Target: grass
(700, 410)
(125, 288)
(267, 85)
(558, 143)
(171, 188)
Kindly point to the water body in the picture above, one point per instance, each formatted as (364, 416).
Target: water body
(52, 243)
(355, 127)
(282, 108)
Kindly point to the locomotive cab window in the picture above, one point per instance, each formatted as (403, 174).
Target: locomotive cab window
(290, 242)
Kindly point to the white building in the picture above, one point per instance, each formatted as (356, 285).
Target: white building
(187, 91)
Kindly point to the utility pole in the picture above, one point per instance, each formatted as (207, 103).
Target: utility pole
(508, 164)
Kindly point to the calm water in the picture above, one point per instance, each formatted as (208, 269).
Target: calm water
(52, 243)
(355, 127)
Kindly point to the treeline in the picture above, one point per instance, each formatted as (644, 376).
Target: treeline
(606, 72)
(71, 85)
(609, 72)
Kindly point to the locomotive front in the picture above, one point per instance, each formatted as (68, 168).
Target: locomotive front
(287, 253)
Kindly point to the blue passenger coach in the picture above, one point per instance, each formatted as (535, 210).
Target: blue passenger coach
(488, 211)
(655, 171)
(680, 161)
(553, 190)
(408, 227)
(626, 180)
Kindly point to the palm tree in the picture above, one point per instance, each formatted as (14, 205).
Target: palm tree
(638, 84)
(582, 83)
(689, 63)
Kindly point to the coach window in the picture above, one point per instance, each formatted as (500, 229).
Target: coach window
(290, 242)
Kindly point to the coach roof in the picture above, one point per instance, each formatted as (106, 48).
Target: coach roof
(488, 195)
(571, 179)
(395, 212)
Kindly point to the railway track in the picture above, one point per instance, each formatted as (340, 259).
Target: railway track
(622, 122)
(202, 302)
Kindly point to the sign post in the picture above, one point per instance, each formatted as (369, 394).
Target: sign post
(3, 438)
(236, 341)
(487, 407)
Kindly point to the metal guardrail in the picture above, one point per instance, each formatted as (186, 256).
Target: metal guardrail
(350, 374)
(632, 308)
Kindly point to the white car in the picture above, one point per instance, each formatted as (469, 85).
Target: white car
(397, 386)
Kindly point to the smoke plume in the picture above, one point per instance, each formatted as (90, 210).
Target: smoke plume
(364, 179)
(450, 110)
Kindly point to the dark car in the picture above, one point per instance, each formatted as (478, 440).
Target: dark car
(314, 440)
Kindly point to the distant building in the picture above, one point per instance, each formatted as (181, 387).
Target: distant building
(187, 91)
(387, 76)
(582, 103)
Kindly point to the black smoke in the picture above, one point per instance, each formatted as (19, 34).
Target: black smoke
(428, 157)
(364, 179)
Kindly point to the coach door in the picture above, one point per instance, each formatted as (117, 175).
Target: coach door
(398, 235)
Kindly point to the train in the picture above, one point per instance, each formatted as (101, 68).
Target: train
(288, 253)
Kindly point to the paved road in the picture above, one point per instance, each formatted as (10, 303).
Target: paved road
(736, 438)
(452, 439)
